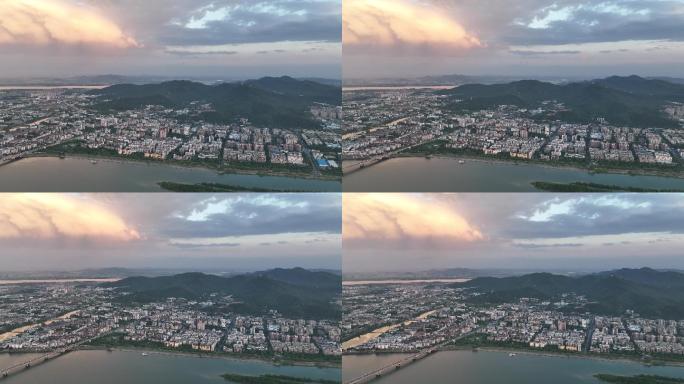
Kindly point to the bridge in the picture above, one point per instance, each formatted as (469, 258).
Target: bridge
(23, 366)
(19, 367)
(386, 370)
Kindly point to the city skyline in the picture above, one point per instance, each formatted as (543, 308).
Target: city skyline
(532, 38)
(228, 40)
(236, 232)
(579, 232)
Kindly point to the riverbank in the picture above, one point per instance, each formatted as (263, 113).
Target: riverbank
(594, 169)
(42, 173)
(577, 355)
(475, 174)
(374, 334)
(187, 165)
(216, 355)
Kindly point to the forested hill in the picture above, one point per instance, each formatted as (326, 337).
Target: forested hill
(293, 292)
(651, 293)
(626, 101)
(281, 102)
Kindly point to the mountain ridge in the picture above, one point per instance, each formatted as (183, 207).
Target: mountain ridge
(308, 294)
(646, 291)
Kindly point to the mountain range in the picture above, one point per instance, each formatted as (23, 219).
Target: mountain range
(293, 292)
(651, 293)
(628, 101)
(280, 102)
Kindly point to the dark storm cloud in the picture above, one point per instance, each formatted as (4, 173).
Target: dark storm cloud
(219, 22)
(326, 28)
(289, 213)
(595, 27)
(589, 215)
(548, 22)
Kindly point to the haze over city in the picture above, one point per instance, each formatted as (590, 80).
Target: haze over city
(223, 39)
(530, 38)
(236, 232)
(582, 232)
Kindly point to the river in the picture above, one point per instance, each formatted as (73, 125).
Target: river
(418, 174)
(118, 367)
(75, 174)
(487, 367)
(374, 334)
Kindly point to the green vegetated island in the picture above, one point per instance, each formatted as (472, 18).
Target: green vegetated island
(638, 379)
(273, 379)
(214, 187)
(592, 187)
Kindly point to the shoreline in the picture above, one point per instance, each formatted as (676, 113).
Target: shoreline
(601, 170)
(227, 171)
(581, 355)
(214, 355)
(624, 359)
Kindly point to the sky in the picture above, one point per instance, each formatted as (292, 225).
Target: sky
(528, 38)
(228, 39)
(531, 231)
(230, 232)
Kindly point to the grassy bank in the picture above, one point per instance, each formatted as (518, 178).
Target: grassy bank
(437, 149)
(213, 187)
(273, 379)
(591, 187)
(75, 149)
(638, 379)
(116, 341)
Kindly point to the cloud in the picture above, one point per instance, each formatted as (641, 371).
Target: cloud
(52, 216)
(402, 26)
(240, 22)
(46, 22)
(541, 53)
(403, 217)
(256, 214)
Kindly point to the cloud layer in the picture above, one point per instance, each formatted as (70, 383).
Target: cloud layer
(401, 218)
(45, 216)
(46, 22)
(185, 231)
(524, 230)
(560, 38)
(402, 26)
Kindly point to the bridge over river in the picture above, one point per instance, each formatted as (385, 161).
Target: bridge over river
(35, 361)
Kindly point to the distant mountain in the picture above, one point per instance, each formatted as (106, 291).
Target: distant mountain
(304, 278)
(276, 102)
(445, 273)
(307, 89)
(334, 82)
(630, 101)
(293, 292)
(649, 292)
(675, 80)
